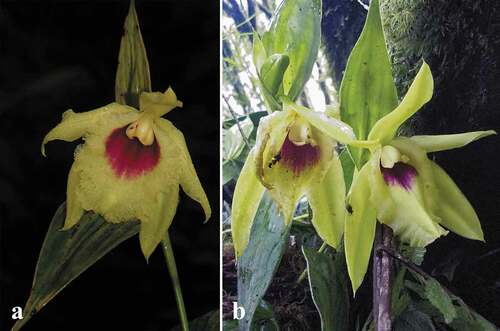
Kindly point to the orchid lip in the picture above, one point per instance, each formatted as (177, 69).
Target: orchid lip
(298, 157)
(129, 158)
(401, 174)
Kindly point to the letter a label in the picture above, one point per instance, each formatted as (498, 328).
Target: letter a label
(17, 313)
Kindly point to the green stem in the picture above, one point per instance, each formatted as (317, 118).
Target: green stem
(304, 273)
(172, 269)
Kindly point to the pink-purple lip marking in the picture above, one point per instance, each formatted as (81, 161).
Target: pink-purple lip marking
(401, 174)
(129, 158)
(297, 158)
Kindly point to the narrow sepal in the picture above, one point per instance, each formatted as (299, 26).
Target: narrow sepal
(436, 143)
(419, 93)
(327, 201)
(75, 125)
(74, 210)
(359, 228)
(247, 195)
(154, 228)
(188, 178)
(454, 210)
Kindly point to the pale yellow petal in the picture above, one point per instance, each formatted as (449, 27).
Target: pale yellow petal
(75, 125)
(327, 201)
(74, 210)
(410, 222)
(453, 208)
(155, 224)
(158, 104)
(449, 141)
(359, 228)
(188, 178)
(419, 93)
(247, 195)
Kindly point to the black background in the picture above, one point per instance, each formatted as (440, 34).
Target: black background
(57, 55)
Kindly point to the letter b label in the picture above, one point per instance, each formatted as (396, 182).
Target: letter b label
(238, 312)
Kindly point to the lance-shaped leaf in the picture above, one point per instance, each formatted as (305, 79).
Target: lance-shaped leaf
(359, 228)
(329, 288)
(66, 254)
(367, 91)
(258, 264)
(132, 75)
(295, 31)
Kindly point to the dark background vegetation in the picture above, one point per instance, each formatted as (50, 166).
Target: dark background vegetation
(56, 55)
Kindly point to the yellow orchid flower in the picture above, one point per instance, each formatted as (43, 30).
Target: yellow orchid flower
(294, 155)
(401, 187)
(130, 165)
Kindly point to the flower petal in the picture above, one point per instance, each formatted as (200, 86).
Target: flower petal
(271, 134)
(419, 93)
(74, 210)
(454, 210)
(449, 141)
(327, 201)
(188, 177)
(157, 103)
(247, 195)
(359, 228)
(75, 125)
(290, 179)
(419, 160)
(332, 127)
(410, 222)
(154, 226)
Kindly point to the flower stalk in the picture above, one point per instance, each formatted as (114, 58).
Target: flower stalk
(174, 276)
(382, 275)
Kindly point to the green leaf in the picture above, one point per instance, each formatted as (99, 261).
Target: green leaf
(233, 141)
(230, 171)
(399, 296)
(132, 75)
(295, 31)
(348, 168)
(259, 262)
(272, 72)
(207, 322)
(367, 91)
(440, 299)
(413, 320)
(329, 288)
(467, 320)
(66, 254)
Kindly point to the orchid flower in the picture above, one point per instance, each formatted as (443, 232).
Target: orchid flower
(130, 165)
(294, 155)
(401, 187)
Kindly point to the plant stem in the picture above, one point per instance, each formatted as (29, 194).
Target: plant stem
(382, 272)
(172, 269)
